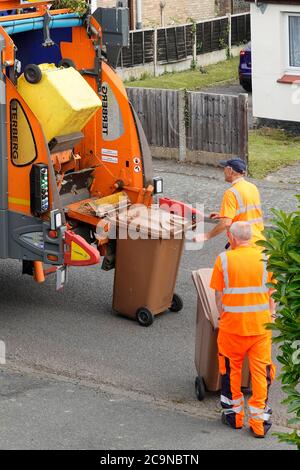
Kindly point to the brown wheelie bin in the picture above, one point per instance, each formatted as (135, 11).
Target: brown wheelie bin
(206, 350)
(147, 263)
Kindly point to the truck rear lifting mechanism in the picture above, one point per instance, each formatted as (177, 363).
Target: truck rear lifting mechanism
(69, 136)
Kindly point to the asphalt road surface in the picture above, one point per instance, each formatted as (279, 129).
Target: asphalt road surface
(76, 339)
(45, 413)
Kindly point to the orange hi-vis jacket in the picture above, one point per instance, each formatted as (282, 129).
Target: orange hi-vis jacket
(241, 203)
(241, 276)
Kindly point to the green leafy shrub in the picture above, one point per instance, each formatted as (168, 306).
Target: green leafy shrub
(282, 246)
(79, 6)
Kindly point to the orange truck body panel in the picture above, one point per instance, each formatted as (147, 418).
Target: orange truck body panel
(115, 160)
(19, 176)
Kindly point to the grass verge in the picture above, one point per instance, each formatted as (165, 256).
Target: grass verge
(192, 79)
(271, 149)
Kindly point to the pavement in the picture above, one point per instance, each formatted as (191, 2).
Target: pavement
(41, 412)
(72, 340)
(286, 175)
(205, 185)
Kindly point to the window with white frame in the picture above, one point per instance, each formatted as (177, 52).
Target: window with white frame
(294, 40)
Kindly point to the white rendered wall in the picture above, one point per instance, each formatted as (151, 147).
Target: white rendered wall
(272, 100)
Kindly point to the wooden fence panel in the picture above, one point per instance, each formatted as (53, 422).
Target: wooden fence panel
(240, 29)
(212, 122)
(217, 123)
(176, 43)
(212, 35)
(158, 112)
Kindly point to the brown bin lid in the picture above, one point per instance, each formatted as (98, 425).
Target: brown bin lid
(153, 222)
(206, 295)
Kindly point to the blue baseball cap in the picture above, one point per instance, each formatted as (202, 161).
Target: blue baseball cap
(237, 164)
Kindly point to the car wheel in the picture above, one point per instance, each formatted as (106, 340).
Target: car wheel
(247, 86)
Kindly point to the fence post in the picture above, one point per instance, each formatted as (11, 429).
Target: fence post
(243, 131)
(182, 125)
(155, 52)
(194, 31)
(229, 34)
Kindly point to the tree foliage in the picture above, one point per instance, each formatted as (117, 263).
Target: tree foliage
(78, 6)
(282, 246)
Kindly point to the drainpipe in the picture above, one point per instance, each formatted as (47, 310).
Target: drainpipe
(162, 5)
(139, 24)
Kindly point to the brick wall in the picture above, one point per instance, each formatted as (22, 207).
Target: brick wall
(174, 12)
(106, 3)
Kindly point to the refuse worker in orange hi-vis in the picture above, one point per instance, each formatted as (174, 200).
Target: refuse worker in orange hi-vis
(241, 202)
(245, 305)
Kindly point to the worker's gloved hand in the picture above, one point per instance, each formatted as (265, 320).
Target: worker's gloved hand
(214, 215)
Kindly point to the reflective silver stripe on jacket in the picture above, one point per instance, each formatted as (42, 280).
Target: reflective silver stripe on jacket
(246, 290)
(239, 199)
(248, 208)
(242, 290)
(244, 209)
(223, 257)
(245, 309)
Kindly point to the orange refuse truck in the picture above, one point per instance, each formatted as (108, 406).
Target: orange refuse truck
(69, 136)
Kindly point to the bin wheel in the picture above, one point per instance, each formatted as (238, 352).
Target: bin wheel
(66, 63)
(144, 316)
(32, 73)
(200, 388)
(177, 303)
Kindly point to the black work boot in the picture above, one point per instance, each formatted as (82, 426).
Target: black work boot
(229, 420)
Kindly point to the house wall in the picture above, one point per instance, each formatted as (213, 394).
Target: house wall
(174, 12)
(272, 100)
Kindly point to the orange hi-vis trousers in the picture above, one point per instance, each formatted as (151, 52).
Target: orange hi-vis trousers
(232, 351)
